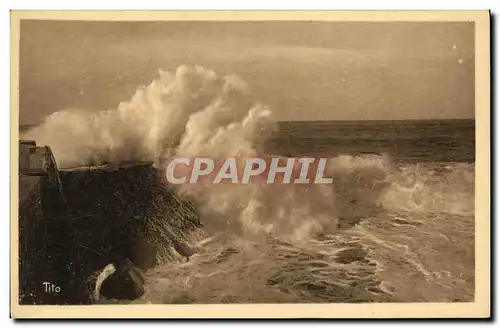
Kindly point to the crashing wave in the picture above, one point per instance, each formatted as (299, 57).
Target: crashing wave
(194, 112)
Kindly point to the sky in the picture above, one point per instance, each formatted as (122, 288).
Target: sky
(303, 70)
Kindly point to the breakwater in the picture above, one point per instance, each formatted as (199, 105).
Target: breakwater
(74, 222)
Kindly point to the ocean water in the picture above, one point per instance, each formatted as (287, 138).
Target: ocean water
(396, 224)
(402, 229)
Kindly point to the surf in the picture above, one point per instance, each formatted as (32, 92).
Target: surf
(272, 229)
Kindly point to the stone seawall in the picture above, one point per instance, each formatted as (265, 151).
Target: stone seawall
(74, 225)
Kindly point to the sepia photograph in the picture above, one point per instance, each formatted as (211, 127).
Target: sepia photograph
(313, 164)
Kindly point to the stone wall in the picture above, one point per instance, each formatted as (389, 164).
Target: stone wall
(76, 222)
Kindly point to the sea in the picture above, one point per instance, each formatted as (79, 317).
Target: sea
(399, 228)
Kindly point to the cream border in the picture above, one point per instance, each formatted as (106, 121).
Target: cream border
(478, 309)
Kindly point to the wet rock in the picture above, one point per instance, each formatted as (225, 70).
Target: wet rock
(143, 254)
(126, 282)
(183, 248)
(181, 299)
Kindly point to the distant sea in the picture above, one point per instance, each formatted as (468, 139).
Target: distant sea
(405, 140)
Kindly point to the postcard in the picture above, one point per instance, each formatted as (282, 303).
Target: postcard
(250, 164)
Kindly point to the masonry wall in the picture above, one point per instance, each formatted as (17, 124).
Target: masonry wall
(72, 226)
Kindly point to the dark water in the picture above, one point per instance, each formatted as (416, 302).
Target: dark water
(404, 141)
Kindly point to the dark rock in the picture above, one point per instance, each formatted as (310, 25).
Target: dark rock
(183, 248)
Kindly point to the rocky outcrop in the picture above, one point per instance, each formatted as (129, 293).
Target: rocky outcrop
(131, 211)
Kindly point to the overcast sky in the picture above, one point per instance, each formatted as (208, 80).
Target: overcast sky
(303, 70)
